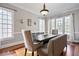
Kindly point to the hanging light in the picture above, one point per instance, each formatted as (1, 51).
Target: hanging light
(44, 11)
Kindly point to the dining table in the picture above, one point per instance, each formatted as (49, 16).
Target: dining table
(44, 38)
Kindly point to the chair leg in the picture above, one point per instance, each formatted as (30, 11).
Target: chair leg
(32, 53)
(37, 55)
(66, 48)
(25, 51)
(62, 54)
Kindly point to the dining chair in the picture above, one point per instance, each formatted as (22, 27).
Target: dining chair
(54, 47)
(54, 31)
(28, 42)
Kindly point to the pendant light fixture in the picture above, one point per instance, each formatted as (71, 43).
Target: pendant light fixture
(44, 11)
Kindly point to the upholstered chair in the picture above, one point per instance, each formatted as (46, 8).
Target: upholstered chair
(28, 41)
(54, 47)
(54, 31)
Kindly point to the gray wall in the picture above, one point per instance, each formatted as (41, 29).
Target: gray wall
(76, 23)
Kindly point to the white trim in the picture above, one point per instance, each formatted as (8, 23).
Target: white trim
(7, 10)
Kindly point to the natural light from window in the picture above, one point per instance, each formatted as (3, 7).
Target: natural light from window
(41, 25)
(6, 22)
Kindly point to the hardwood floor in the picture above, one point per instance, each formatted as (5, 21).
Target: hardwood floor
(72, 50)
(18, 52)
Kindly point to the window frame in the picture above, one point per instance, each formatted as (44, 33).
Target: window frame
(63, 20)
(39, 25)
(12, 20)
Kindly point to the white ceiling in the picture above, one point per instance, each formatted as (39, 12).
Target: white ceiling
(54, 8)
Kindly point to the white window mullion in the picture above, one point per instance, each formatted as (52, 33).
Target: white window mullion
(41, 25)
(55, 23)
(7, 23)
(2, 22)
(63, 25)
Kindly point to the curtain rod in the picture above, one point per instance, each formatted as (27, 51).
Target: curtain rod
(8, 8)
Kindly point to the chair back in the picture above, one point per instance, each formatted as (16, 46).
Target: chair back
(27, 39)
(56, 45)
(55, 31)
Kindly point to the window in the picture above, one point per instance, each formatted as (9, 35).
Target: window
(41, 25)
(6, 25)
(53, 23)
(49, 26)
(63, 24)
(59, 25)
(67, 25)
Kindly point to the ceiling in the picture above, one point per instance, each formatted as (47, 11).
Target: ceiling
(54, 8)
